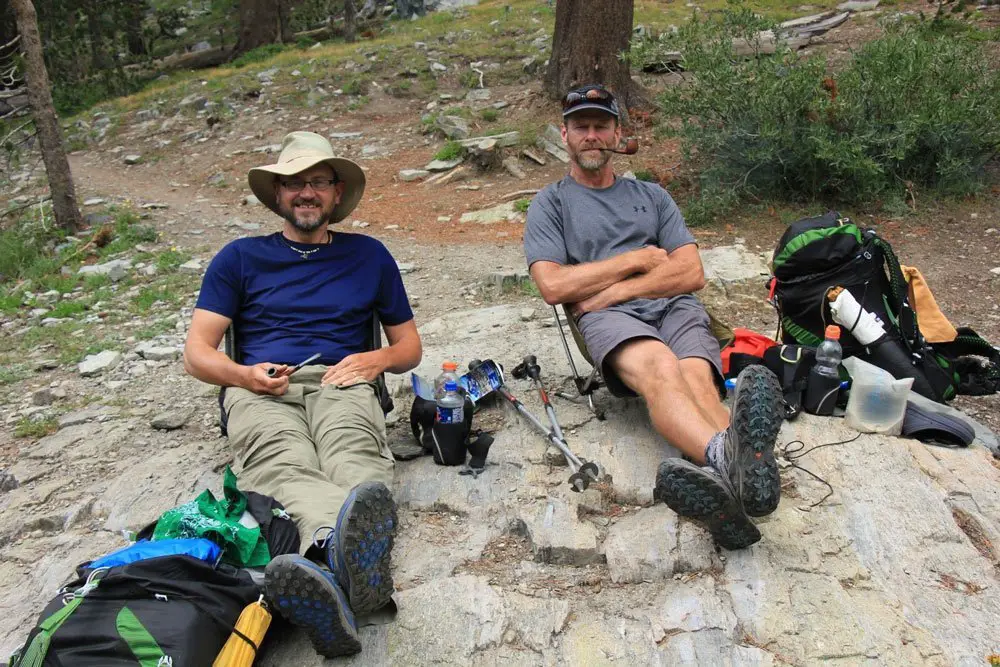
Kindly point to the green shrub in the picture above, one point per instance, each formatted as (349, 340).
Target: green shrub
(450, 151)
(25, 249)
(31, 428)
(356, 87)
(489, 115)
(918, 107)
(645, 175)
(521, 205)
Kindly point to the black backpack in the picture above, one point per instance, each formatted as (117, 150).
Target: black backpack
(170, 611)
(817, 254)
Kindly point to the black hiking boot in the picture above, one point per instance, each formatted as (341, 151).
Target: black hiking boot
(307, 595)
(700, 494)
(749, 466)
(359, 548)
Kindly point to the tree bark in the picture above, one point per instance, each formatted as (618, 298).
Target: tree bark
(588, 38)
(350, 21)
(285, 21)
(134, 10)
(46, 122)
(259, 25)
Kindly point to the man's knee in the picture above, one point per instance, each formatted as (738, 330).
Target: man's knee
(647, 366)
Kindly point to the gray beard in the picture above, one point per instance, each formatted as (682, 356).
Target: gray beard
(593, 164)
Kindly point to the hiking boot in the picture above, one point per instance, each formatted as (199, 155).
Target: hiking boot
(307, 595)
(754, 423)
(700, 494)
(359, 548)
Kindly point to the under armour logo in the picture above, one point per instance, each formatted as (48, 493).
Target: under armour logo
(636, 208)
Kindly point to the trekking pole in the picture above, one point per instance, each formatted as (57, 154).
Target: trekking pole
(529, 368)
(578, 481)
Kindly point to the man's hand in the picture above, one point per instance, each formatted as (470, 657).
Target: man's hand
(355, 368)
(606, 298)
(258, 382)
(650, 257)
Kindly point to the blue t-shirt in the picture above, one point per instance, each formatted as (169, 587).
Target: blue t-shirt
(287, 308)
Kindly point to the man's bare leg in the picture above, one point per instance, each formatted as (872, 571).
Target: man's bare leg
(650, 369)
(700, 378)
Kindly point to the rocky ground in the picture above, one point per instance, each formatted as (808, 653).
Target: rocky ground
(897, 566)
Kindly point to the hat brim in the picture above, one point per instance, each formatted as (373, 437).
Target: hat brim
(261, 180)
(589, 105)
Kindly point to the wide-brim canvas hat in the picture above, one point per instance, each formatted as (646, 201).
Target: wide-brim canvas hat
(301, 151)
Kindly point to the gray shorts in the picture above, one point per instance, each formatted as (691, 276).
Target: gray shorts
(684, 328)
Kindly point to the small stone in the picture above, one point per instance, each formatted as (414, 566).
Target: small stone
(7, 481)
(171, 419)
(995, 271)
(409, 175)
(38, 312)
(154, 205)
(478, 95)
(405, 268)
(251, 200)
(193, 266)
(344, 135)
(513, 168)
(158, 352)
(133, 159)
(42, 397)
(502, 104)
(392, 227)
(93, 201)
(443, 165)
(534, 157)
(527, 314)
(438, 67)
(444, 218)
(46, 365)
(95, 364)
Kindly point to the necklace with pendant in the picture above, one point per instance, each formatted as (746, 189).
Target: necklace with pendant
(305, 254)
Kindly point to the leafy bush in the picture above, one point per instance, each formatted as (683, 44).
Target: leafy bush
(645, 175)
(450, 151)
(916, 108)
(356, 87)
(522, 205)
(489, 115)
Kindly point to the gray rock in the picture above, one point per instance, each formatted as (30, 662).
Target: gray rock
(502, 104)
(557, 536)
(409, 175)
(77, 418)
(154, 205)
(95, 364)
(7, 481)
(171, 420)
(513, 167)
(499, 213)
(38, 312)
(527, 314)
(858, 5)
(344, 135)
(642, 546)
(478, 95)
(267, 75)
(201, 46)
(438, 67)
(454, 127)
(158, 352)
(217, 180)
(405, 268)
(555, 150)
(42, 396)
(46, 364)
(192, 266)
(503, 140)
(251, 200)
(93, 201)
(194, 101)
(443, 165)
(731, 264)
(134, 158)
(116, 269)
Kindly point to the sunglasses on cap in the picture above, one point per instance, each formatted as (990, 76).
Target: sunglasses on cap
(590, 97)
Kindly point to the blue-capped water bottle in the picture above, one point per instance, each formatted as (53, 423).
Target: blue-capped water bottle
(450, 404)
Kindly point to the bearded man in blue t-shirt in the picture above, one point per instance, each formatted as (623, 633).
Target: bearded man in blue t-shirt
(615, 251)
(314, 440)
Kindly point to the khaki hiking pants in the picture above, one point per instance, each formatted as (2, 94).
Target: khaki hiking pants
(309, 447)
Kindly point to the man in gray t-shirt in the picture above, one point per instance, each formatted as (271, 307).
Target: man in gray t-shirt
(617, 254)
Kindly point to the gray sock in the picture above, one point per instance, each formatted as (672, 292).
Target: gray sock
(715, 452)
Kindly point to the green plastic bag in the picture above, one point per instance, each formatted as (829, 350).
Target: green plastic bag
(219, 521)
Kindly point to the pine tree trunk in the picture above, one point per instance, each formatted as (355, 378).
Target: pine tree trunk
(350, 21)
(134, 10)
(285, 21)
(588, 38)
(259, 25)
(46, 122)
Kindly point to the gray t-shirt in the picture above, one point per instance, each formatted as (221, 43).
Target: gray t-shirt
(569, 223)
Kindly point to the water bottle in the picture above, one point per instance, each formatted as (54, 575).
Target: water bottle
(824, 378)
(450, 404)
(449, 371)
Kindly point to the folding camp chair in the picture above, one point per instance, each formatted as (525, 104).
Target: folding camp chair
(374, 342)
(586, 386)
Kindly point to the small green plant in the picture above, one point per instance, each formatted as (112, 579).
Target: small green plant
(150, 295)
(645, 175)
(168, 260)
(260, 54)
(358, 103)
(489, 115)
(449, 151)
(35, 428)
(67, 309)
(355, 86)
(469, 79)
(521, 205)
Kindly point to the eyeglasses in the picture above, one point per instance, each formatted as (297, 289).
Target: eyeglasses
(318, 184)
(599, 95)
